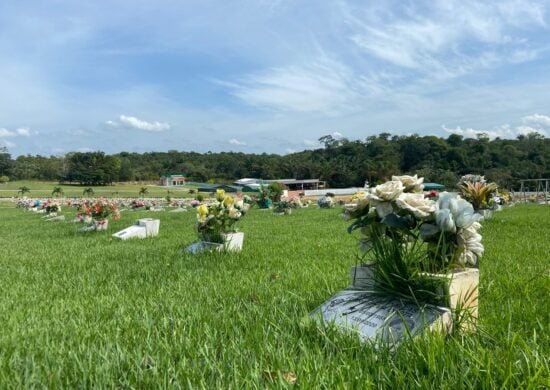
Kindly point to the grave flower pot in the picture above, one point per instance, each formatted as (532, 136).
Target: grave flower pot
(288, 211)
(101, 224)
(264, 203)
(486, 213)
(460, 289)
(233, 242)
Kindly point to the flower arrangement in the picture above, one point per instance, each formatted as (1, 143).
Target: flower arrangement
(407, 237)
(284, 206)
(397, 211)
(136, 204)
(264, 200)
(478, 193)
(220, 217)
(99, 209)
(51, 206)
(295, 202)
(325, 202)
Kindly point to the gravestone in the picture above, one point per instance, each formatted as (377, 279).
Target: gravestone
(56, 218)
(380, 318)
(146, 227)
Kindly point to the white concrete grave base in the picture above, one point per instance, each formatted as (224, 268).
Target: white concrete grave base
(233, 243)
(56, 218)
(146, 227)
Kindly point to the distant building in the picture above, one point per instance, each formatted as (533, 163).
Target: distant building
(172, 180)
(291, 184)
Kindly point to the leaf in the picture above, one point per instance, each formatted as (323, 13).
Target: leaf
(428, 230)
(396, 222)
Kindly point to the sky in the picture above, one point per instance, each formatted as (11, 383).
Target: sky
(268, 76)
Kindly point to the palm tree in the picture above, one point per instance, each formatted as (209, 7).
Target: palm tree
(143, 191)
(24, 190)
(88, 191)
(57, 191)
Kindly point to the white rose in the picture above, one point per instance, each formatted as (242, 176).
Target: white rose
(469, 240)
(411, 183)
(419, 206)
(386, 192)
(234, 213)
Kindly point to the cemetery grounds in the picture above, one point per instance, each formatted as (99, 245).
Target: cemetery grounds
(85, 310)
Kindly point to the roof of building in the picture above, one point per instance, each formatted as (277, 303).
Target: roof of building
(433, 186)
(171, 175)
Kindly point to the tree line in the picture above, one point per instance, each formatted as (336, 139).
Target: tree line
(339, 162)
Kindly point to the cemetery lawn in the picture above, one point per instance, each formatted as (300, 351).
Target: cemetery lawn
(83, 310)
(41, 189)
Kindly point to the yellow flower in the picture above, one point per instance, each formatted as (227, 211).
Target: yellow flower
(220, 194)
(228, 201)
(202, 212)
(358, 195)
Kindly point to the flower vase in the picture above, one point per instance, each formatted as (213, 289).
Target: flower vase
(101, 224)
(288, 211)
(459, 288)
(233, 242)
(264, 203)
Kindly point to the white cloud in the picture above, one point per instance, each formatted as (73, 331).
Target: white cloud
(337, 135)
(19, 132)
(531, 124)
(322, 86)
(290, 150)
(23, 131)
(236, 142)
(448, 38)
(4, 133)
(538, 120)
(133, 122)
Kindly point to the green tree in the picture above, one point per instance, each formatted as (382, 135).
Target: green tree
(24, 190)
(4, 179)
(57, 191)
(143, 191)
(88, 192)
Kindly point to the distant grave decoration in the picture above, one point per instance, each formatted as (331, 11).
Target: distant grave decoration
(97, 212)
(325, 202)
(216, 225)
(283, 207)
(482, 195)
(143, 228)
(418, 268)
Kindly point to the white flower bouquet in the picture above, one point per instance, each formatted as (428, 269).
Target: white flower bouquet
(444, 233)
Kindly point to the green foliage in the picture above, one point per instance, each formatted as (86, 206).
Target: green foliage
(4, 179)
(24, 190)
(478, 194)
(199, 197)
(88, 192)
(143, 191)
(275, 191)
(341, 162)
(57, 191)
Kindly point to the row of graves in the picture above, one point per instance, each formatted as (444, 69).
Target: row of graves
(419, 252)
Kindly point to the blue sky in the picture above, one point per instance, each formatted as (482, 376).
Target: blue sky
(266, 75)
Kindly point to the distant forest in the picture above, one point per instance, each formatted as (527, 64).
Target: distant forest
(340, 162)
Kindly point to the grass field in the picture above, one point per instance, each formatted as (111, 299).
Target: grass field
(83, 310)
(44, 189)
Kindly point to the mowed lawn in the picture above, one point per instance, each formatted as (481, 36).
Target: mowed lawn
(84, 310)
(119, 190)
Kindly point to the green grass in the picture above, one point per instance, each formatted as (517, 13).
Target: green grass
(82, 310)
(44, 189)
